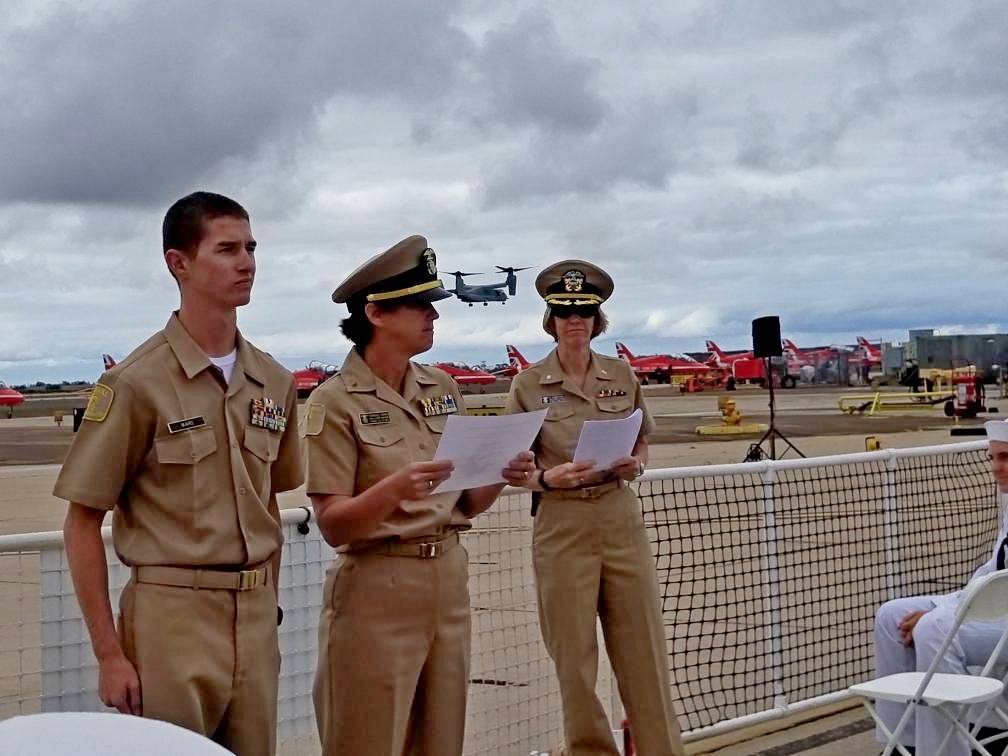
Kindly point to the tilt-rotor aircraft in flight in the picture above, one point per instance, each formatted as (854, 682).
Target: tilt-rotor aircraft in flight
(487, 292)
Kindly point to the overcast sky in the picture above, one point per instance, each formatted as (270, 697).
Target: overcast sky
(841, 164)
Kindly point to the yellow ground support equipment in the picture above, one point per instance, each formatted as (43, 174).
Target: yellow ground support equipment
(732, 421)
(887, 401)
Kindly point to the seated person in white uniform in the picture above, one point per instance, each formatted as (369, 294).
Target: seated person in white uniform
(909, 631)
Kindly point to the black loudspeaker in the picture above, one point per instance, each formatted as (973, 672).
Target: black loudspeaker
(766, 341)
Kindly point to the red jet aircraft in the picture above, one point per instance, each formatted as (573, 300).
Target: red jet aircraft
(10, 398)
(722, 360)
(516, 363)
(465, 376)
(807, 356)
(661, 367)
(869, 352)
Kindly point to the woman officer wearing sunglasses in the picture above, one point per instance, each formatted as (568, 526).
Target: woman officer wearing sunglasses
(590, 550)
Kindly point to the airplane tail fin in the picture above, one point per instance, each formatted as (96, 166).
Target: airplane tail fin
(518, 362)
(796, 353)
(109, 362)
(622, 352)
(869, 349)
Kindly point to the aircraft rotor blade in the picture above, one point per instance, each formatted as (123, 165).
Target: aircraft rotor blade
(511, 270)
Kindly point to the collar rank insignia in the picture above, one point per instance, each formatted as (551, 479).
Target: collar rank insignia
(266, 413)
(439, 405)
(375, 418)
(610, 393)
(553, 399)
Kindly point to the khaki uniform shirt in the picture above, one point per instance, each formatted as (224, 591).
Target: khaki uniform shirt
(358, 430)
(611, 391)
(185, 463)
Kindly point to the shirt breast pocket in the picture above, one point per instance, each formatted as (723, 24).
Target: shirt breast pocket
(436, 424)
(619, 406)
(186, 448)
(559, 412)
(379, 437)
(262, 442)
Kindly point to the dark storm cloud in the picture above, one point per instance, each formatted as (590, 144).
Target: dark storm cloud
(641, 145)
(530, 79)
(134, 105)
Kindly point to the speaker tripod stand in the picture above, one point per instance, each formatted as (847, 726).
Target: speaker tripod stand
(756, 451)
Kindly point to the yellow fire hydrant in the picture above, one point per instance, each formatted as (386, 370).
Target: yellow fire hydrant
(729, 413)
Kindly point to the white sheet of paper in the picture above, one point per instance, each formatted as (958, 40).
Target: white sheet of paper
(482, 445)
(605, 441)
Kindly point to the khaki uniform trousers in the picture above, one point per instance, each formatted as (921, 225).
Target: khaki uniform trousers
(208, 659)
(393, 663)
(591, 557)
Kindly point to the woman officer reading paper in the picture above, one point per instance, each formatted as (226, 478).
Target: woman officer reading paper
(590, 551)
(394, 634)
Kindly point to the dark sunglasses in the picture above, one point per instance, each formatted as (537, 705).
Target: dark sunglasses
(582, 311)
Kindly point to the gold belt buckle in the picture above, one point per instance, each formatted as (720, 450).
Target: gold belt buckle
(250, 579)
(429, 550)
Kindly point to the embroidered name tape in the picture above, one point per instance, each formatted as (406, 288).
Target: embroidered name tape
(188, 424)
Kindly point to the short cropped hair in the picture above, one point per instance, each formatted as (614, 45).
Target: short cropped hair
(599, 326)
(358, 328)
(185, 220)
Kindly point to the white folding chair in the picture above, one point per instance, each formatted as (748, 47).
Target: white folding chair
(986, 600)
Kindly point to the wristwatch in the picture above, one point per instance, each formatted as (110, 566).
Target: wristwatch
(542, 482)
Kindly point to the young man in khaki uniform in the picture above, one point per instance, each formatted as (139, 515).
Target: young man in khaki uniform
(187, 441)
(590, 550)
(394, 634)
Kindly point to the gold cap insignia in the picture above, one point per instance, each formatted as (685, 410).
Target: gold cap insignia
(573, 280)
(428, 255)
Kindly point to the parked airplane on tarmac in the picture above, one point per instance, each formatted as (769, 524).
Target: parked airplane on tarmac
(487, 292)
(516, 363)
(465, 376)
(869, 352)
(661, 367)
(802, 357)
(721, 359)
(10, 398)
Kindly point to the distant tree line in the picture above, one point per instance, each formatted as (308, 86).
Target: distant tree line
(41, 387)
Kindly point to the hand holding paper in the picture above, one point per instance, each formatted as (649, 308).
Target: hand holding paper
(481, 446)
(607, 441)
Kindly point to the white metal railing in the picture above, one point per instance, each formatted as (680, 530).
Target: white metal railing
(746, 554)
